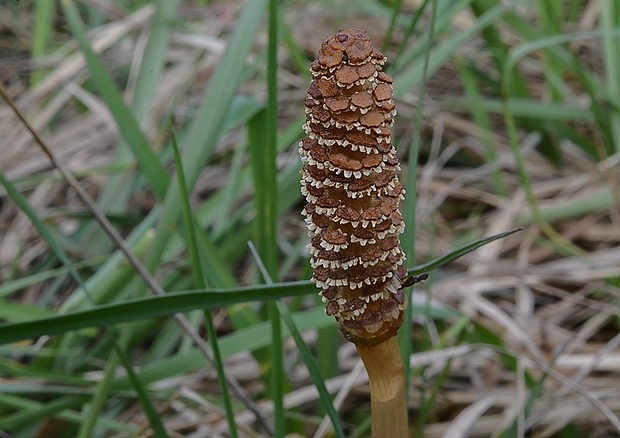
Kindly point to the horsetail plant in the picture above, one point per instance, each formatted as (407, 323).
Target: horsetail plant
(349, 179)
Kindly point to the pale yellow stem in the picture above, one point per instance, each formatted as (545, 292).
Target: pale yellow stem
(387, 389)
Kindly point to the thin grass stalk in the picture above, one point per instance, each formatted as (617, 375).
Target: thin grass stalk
(396, 9)
(43, 19)
(430, 400)
(481, 118)
(154, 418)
(30, 412)
(11, 286)
(200, 281)
(297, 54)
(266, 185)
(409, 33)
(276, 370)
(549, 17)
(418, 271)
(270, 215)
(409, 206)
(263, 153)
(610, 20)
(264, 200)
(411, 61)
(593, 87)
(327, 347)
(524, 179)
(313, 369)
(93, 409)
(517, 84)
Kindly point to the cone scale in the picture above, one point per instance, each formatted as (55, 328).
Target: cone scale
(349, 179)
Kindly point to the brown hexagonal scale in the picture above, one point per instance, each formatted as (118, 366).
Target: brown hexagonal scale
(353, 194)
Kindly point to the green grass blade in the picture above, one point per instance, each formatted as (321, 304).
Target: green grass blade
(521, 51)
(481, 118)
(497, 46)
(262, 140)
(313, 369)
(102, 389)
(595, 203)
(117, 191)
(522, 107)
(549, 17)
(151, 307)
(64, 409)
(231, 69)
(28, 411)
(396, 10)
(411, 76)
(153, 416)
(262, 155)
(409, 207)
(11, 286)
(610, 22)
(11, 311)
(200, 281)
(25, 207)
(125, 120)
(250, 338)
(398, 64)
(554, 47)
(43, 20)
(443, 260)
(206, 128)
(299, 58)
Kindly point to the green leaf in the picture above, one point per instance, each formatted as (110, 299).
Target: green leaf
(443, 260)
(150, 307)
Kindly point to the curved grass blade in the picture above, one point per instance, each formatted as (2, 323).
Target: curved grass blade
(444, 260)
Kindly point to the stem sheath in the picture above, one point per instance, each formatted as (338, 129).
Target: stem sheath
(387, 388)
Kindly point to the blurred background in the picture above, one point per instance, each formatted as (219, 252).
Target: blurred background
(508, 116)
